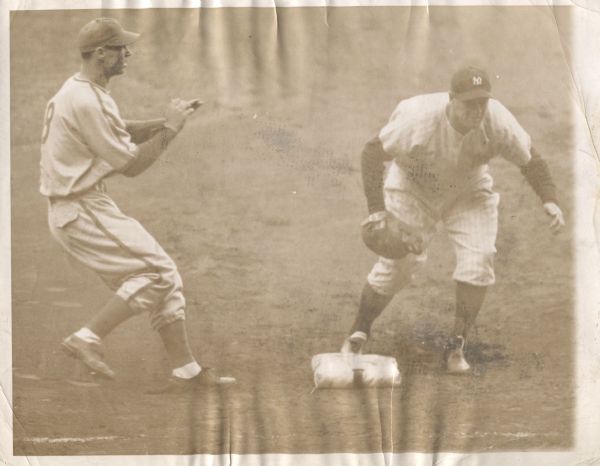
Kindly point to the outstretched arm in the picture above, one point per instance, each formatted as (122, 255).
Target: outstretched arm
(143, 130)
(373, 160)
(381, 232)
(537, 174)
(149, 151)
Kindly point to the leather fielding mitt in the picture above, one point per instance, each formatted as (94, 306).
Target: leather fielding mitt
(388, 237)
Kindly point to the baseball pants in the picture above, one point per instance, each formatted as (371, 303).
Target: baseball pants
(93, 230)
(471, 222)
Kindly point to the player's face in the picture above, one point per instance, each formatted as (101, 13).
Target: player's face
(115, 59)
(468, 114)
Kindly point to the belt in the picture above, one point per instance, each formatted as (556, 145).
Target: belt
(98, 187)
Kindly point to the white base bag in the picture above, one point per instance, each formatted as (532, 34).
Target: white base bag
(348, 370)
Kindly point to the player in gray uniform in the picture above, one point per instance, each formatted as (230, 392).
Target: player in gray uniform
(439, 146)
(84, 141)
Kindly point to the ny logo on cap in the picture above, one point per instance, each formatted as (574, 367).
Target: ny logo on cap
(477, 81)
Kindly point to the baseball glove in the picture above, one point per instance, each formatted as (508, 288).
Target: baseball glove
(388, 237)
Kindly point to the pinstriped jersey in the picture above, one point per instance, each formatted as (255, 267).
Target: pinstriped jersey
(428, 151)
(84, 139)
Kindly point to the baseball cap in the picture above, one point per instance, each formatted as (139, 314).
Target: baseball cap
(470, 83)
(104, 31)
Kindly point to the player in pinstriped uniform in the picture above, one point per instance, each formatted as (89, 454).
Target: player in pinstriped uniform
(439, 145)
(85, 141)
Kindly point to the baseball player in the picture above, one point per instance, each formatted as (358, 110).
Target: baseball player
(439, 146)
(85, 141)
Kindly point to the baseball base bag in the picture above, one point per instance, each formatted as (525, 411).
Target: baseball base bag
(341, 370)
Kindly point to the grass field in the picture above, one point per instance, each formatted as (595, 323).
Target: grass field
(259, 201)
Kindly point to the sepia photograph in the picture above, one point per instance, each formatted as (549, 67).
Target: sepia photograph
(293, 230)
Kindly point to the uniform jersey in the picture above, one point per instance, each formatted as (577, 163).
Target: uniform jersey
(431, 154)
(84, 139)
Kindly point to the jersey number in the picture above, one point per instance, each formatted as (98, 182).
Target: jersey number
(47, 120)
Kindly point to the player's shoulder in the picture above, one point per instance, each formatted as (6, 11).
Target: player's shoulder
(422, 112)
(78, 93)
(414, 121)
(500, 118)
(424, 104)
(497, 109)
(421, 109)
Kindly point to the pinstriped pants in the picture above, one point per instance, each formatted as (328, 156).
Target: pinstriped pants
(471, 222)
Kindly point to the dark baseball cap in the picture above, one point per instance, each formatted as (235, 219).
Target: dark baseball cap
(104, 31)
(470, 83)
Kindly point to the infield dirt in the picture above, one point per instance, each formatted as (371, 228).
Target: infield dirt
(259, 202)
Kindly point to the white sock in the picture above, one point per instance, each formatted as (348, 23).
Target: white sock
(191, 369)
(87, 335)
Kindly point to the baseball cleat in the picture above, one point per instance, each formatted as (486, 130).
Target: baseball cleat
(206, 378)
(455, 357)
(354, 343)
(89, 353)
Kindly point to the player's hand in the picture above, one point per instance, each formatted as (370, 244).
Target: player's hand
(177, 112)
(558, 219)
(194, 104)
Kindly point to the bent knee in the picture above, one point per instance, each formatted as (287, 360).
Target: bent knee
(153, 291)
(476, 269)
(165, 316)
(388, 276)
